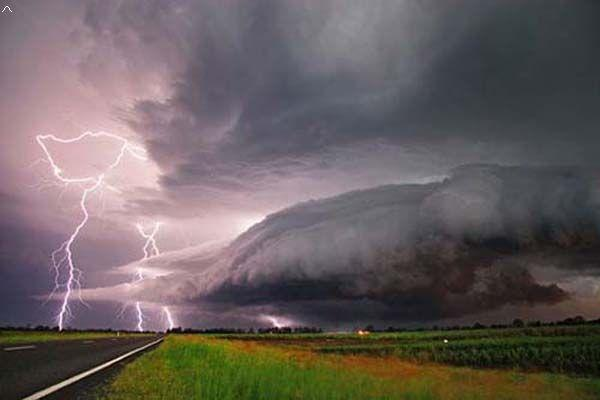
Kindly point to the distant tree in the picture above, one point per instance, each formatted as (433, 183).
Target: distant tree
(518, 323)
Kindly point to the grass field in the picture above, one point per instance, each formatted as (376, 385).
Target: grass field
(322, 367)
(566, 349)
(16, 337)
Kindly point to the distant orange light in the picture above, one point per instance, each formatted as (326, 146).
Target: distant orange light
(362, 333)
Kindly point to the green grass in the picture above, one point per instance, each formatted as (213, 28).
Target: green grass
(568, 349)
(200, 368)
(19, 337)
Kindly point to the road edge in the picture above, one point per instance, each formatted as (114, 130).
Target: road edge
(75, 378)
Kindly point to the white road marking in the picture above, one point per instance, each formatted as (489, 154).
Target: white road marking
(88, 341)
(16, 348)
(78, 377)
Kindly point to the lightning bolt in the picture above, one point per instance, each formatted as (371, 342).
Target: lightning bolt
(274, 321)
(150, 247)
(140, 324)
(169, 317)
(277, 322)
(150, 250)
(140, 316)
(63, 256)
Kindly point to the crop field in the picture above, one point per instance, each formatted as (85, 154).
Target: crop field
(530, 363)
(568, 349)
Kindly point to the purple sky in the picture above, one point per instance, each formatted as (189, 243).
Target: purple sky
(246, 108)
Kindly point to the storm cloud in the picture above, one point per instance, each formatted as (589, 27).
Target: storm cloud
(260, 96)
(247, 108)
(400, 252)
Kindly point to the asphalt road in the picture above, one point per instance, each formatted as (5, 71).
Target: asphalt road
(30, 367)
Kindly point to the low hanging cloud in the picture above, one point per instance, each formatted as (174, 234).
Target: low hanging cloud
(399, 252)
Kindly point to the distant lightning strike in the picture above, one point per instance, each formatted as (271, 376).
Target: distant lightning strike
(139, 276)
(169, 317)
(64, 255)
(140, 324)
(277, 322)
(150, 250)
(274, 321)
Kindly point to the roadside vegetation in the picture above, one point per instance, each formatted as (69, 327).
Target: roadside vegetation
(266, 367)
(9, 337)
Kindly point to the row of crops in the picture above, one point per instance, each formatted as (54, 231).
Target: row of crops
(575, 354)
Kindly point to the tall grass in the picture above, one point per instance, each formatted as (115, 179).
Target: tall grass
(201, 369)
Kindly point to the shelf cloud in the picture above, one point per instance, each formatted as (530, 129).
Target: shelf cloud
(401, 252)
(453, 147)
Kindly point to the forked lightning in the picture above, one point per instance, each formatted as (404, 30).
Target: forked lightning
(63, 255)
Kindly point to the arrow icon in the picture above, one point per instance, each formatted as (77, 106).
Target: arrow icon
(6, 8)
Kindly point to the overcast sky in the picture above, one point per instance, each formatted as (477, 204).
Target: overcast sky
(246, 108)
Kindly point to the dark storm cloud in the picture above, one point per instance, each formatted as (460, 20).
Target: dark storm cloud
(270, 90)
(268, 86)
(271, 85)
(23, 265)
(249, 106)
(404, 252)
(527, 74)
